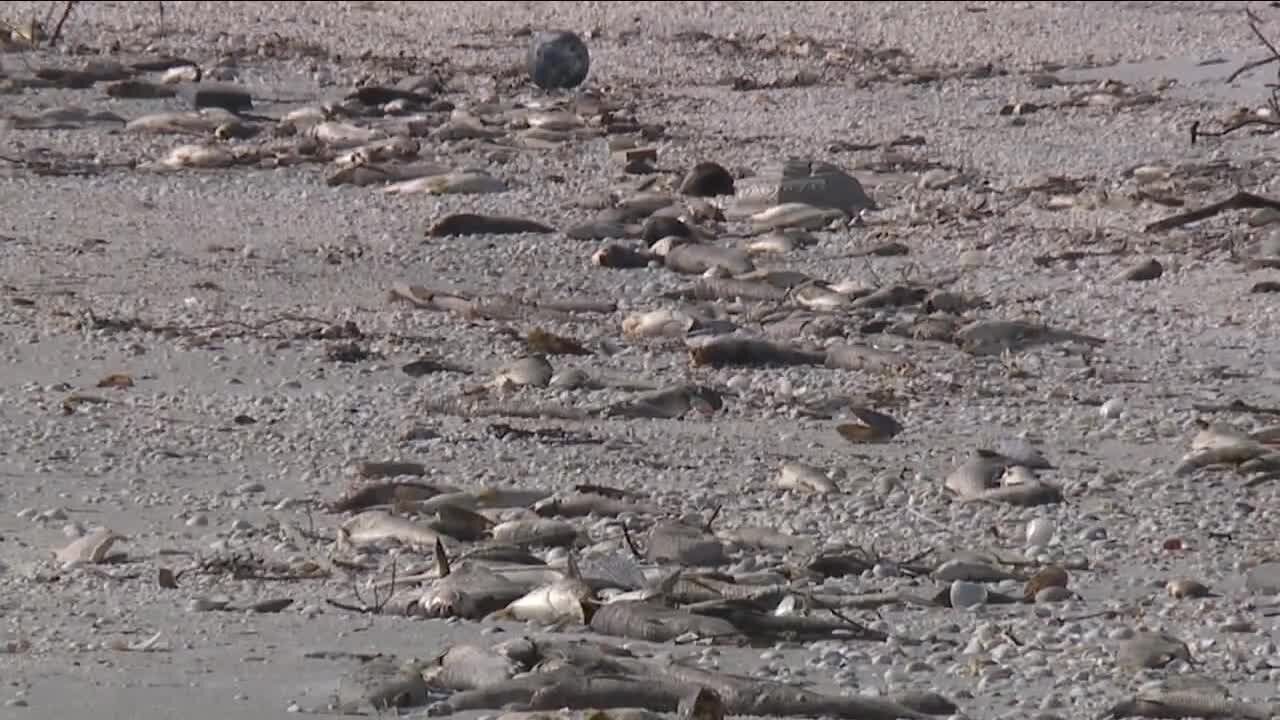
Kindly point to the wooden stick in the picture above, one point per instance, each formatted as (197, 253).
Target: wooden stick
(57, 30)
(1239, 201)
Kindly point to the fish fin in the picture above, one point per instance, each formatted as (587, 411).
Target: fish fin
(442, 560)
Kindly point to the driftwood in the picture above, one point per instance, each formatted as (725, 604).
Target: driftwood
(1239, 201)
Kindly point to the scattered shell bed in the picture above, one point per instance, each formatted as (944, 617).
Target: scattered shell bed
(256, 363)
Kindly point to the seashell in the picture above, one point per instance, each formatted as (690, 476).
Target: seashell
(92, 548)
(805, 478)
(534, 371)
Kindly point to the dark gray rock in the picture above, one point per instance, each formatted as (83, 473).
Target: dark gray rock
(707, 179)
(558, 60)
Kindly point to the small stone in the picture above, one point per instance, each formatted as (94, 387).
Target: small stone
(250, 487)
(707, 179)
(1149, 269)
(558, 60)
(198, 520)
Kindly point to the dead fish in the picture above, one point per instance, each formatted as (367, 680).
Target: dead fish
(668, 403)
(971, 571)
(191, 122)
(650, 622)
(567, 600)
(678, 543)
(465, 128)
(1026, 494)
(91, 548)
(725, 351)
(891, 296)
(869, 426)
(764, 538)
(395, 148)
(472, 592)
(537, 531)
(473, 224)
(381, 684)
(619, 257)
(1189, 704)
(58, 118)
(486, 497)
(195, 156)
(469, 667)
(460, 523)
(454, 183)
(846, 356)
(697, 258)
(993, 337)
(780, 241)
(386, 494)
(782, 279)
(366, 174)
(732, 289)
(658, 323)
(375, 526)
(342, 136)
(795, 215)
(805, 478)
(819, 298)
(1180, 588)
(584, 504)
(1151, 650)
(602, 230)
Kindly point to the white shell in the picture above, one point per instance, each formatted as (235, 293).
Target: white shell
(1112, 408)
(1040, 531)
(91, 548)
(967, 594)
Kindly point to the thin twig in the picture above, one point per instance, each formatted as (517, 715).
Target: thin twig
(57, 30)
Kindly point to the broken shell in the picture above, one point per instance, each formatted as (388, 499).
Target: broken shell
(92, 548)
(802, 477)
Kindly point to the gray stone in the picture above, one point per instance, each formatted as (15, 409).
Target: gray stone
(558, 60)
(1264, 579)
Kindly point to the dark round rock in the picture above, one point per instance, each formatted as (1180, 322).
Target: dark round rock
(659, 226)
(558, 60)
(707, 179)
